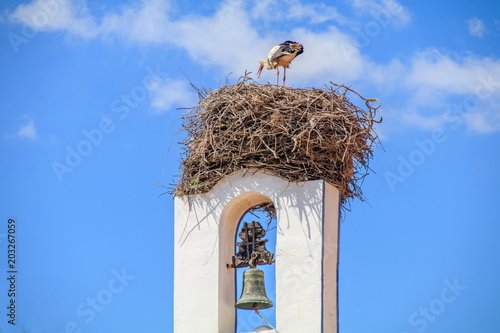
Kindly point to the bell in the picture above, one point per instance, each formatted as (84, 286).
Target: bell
(253, 295)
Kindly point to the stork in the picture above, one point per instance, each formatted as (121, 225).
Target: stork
(281, 55)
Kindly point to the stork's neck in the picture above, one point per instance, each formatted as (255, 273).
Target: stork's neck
(267, 64)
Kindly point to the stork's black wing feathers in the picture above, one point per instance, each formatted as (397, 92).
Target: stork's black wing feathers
(281, 51)
(284, 49)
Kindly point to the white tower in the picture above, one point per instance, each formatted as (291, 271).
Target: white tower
(306, 254)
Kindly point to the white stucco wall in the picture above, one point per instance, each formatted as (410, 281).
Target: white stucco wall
(306, 254)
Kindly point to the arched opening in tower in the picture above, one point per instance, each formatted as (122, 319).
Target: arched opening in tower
(256, 234)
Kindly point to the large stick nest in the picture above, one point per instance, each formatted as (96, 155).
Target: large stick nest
(296, 134)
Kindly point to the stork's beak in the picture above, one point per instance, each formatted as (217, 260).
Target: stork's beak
(259, 71)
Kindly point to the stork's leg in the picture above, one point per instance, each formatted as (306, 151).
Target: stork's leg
(284, 75)
(277, 75)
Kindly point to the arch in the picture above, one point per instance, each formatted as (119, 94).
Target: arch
(230, 217)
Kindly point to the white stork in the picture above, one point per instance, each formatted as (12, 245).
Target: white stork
(281, 55)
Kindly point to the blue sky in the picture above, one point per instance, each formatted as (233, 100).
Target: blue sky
(90, 91)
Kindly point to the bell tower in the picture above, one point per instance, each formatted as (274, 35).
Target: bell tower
(304, 151)
(306, 255)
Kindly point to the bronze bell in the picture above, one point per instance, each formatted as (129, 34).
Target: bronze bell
(253, 296)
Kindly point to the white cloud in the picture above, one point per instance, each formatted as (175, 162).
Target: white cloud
(411, 116)
(486, 118)
(146, 23)
(468, 86)
(476, 27)
(384, 10)
(389, 74)
(172, 93)
(27, 131)
(234, 39)
(328, 56)
(275, 11)
(434, 70)
(228, 38)
(54, 15)
(317, 13)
